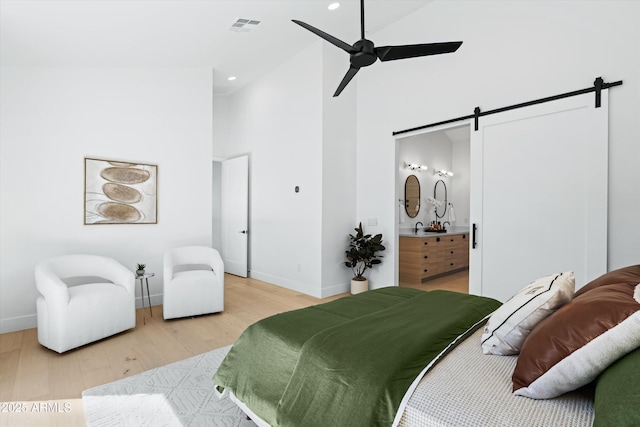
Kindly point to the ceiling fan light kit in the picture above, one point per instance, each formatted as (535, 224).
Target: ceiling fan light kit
(364, 53)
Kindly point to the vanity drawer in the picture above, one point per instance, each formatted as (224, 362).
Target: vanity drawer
(432, 257)
(457, 262)
(432, 242)
(457, 241)
(432, 269)
(457, 253)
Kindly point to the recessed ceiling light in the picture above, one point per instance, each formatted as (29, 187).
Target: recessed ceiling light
(231, 78)
(334, 6)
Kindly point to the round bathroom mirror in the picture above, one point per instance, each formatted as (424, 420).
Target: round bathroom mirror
(440, 194)
(412, 196)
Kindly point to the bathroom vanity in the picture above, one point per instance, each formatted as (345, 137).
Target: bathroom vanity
(425, 255)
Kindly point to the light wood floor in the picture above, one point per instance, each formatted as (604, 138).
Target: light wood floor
(31, 373)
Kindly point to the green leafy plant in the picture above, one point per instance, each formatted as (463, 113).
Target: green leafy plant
(362, 253)
(141, 266)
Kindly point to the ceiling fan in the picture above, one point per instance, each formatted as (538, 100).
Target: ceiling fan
(364, 53)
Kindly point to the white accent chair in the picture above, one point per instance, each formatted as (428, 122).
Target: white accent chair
(71, 316)
(189, 290)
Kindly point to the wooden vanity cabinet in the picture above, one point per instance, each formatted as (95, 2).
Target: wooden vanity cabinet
(422, 258)
(456, 252)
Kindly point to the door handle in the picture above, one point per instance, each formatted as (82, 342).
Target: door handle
(473, 236)
(243, 231)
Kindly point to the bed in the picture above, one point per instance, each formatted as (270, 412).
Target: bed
(399, 356)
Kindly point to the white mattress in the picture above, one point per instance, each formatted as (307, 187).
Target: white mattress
(469, 388)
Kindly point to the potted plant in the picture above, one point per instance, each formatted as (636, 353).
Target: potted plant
(362, 255)
(140, 270)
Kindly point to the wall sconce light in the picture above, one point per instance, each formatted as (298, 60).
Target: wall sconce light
(415, 167)
(443, 173)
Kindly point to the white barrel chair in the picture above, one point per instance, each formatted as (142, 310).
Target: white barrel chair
(193, 282)
(71, 316)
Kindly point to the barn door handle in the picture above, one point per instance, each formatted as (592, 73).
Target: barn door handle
(473, 236)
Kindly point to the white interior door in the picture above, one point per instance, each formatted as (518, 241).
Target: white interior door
(235, 214)
(539, 195)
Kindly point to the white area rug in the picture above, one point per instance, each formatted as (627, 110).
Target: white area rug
(179, 394)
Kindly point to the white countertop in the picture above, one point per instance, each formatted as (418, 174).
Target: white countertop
(409, 232)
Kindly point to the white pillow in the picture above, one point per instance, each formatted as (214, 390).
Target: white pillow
(510, 324)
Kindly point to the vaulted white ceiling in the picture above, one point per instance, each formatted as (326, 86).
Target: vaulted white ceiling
(180, 33)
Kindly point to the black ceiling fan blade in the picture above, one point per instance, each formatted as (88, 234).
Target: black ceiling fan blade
(390, 53)
(328, 37)
(346, 79)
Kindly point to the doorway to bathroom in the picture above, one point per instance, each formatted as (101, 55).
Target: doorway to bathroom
(433, 202)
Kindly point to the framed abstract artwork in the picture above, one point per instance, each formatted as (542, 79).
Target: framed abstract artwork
(120, 192)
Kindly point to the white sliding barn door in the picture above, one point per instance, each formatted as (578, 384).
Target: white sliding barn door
(235, 215)
(539, 194)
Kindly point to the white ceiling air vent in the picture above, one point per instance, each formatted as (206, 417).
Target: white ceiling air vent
(242, 25)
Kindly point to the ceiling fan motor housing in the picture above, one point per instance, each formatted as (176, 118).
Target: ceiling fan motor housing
(366, 54)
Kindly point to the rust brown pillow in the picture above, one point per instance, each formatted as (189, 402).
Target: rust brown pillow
(572, 346)
(629, 275)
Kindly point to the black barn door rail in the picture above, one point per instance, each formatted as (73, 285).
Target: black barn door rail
(598, 85)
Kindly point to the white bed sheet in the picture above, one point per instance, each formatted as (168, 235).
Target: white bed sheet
(469, 389)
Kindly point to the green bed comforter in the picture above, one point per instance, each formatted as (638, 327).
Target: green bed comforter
(348, 362)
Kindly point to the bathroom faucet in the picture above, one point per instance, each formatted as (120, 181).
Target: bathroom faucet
(443, 224)
(416, 229)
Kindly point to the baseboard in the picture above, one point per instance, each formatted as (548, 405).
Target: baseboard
(285, 283)
(301, 287)
(336, 290)
(19, 323)
(155, 300)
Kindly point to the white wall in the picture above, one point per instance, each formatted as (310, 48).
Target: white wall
(512, 52)
(435, 150)
(297, 134)
(54, 117)
(216, 200)
(338, 172)
(277, 120)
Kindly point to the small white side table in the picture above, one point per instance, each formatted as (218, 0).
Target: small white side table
(145, 277)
